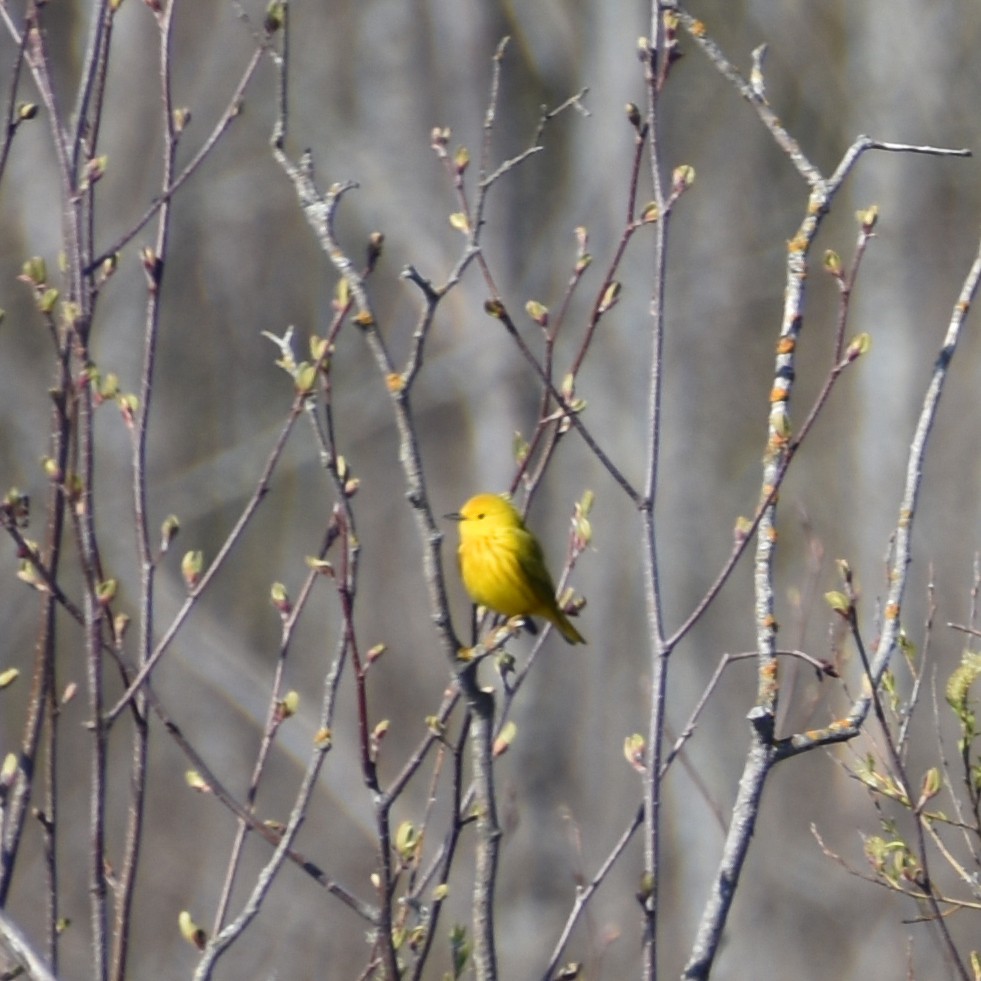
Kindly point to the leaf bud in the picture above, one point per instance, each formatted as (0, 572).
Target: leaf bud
(190, 931)
(538, 312)
(280, 599)
(191, 567)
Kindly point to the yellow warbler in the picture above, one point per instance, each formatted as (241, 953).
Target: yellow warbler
(503, 567)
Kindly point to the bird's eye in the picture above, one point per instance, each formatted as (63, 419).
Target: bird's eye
(481, 516)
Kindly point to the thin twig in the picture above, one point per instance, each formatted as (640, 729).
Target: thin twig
(11, 120)
(762, 753)
(251, 506)
(20, 947)
(656, 63)
(275, 716)
(849, 727)
(126, 883)
(923, 883)
(586, 892)
(231, 112)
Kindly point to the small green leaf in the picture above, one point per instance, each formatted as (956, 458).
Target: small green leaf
(504, 740)
(169, 529)
(832, 262)
(683, 178)
(931, 785)
(275, 16)
(105, 591)
(407, 841)
(280, 598)
(191, 567)
(47, 300)
(650, 213)
(610, 296)
(634, 750)
(520, 448)
(195, 781)
(538, 312)
(459, 949)
(181, 118)
(860, 344)
(34, 271)
(190, 931)
(305, 378)
(868, 217)
(289, 705)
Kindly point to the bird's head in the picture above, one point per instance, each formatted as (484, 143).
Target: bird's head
(487, 509)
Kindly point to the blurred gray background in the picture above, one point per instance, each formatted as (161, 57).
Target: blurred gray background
(369, 81)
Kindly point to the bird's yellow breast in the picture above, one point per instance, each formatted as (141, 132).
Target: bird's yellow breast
(490, 566)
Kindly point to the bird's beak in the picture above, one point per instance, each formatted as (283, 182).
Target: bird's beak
(454, 516)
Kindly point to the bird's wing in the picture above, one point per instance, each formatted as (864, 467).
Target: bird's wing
(533, 565)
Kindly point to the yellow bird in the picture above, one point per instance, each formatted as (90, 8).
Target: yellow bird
(502, 565)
